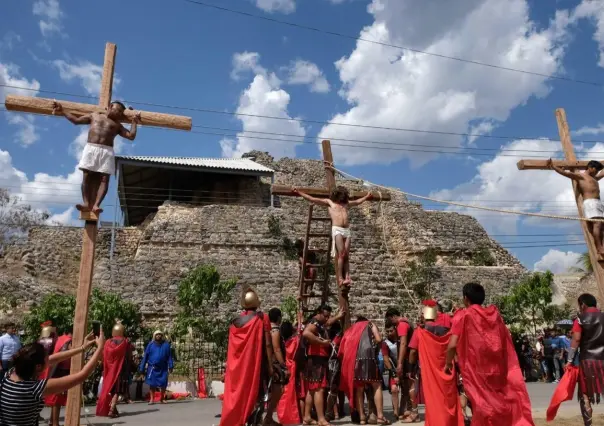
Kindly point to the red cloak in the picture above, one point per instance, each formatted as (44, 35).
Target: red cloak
(489, 366)
(61, 398)
(244, 369)
(564, 392)
(439, 389)
(348, 356)
(287, 410)
(114, 355)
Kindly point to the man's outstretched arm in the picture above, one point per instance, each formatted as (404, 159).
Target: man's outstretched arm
(83, 119)
(319, 201)
(360, 200)
(131, 134)
(566, 173)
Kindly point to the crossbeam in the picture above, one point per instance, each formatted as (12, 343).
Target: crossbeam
(543, 164)
(288, 191)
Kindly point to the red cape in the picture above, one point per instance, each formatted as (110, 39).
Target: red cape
(564, 392)
(491, 373)
(244, 366)
(348, 356)
(287, 410)
(114, 355)
(61, 398)
(439, 389)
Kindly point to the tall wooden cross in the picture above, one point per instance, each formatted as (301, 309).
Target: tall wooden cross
(45, 106)
(325, 192)
(571, 163)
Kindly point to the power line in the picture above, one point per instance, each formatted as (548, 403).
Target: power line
(423, 52)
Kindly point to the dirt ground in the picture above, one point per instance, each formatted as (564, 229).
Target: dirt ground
(577, 421)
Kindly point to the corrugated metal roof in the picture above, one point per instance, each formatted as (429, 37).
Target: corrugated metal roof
(243, 164)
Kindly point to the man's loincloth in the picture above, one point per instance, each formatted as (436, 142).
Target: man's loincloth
(593, 208)
(98, 158)
(335, 231)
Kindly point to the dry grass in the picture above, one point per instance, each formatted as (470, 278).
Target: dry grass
(575, 421)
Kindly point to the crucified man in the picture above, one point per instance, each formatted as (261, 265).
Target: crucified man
(98, 158)
(590, 190)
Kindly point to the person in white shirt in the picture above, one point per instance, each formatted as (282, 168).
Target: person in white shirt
(9, 346)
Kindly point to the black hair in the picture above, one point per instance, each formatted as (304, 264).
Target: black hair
(287, 330)
(595, 164)
(474, 292)
(27, 359)
(274, 314)
(334, 330)
(120, 104)
(322, 308)
(588, 300)
(392, 312)
(299, 244)
(389, 323)
(340, 194)
(9, 325)
(361, 318)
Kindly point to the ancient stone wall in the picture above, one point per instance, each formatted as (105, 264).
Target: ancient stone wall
(246, 243)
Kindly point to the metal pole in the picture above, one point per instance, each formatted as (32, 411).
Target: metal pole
(272, 195)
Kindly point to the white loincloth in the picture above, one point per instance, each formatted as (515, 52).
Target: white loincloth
(593, 208)
(336, 230)
(98, 158)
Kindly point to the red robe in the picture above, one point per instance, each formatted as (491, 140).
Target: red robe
(61, 398)
(287, 410)
(439, 389)
(489, 366)
(564, 392)
(114, 355)
(244, 369)
(348, 357)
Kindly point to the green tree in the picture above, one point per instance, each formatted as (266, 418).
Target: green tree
(289, 309)
(200, 295)
(585, 262)
(58, 308)
(421, 274)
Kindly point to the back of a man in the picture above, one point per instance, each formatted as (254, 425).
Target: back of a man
(9, 346)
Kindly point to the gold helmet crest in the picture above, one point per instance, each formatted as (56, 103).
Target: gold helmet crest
(250, 299)
(47, 329)
(429, 310)
(118, 329)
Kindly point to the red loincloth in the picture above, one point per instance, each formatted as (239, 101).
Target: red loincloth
(348, 357)
(59, 400)
(491, 374)
(244, 369)
(439, 389)
(564, 392)
(287, 410)
(114, 355)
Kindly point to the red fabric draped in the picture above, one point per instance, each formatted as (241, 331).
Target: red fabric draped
(489, 366)
(61, 398)
(440, 390)
(287, 410)
(564, 392)
(244, 367)
(114, 355)
(348, 357)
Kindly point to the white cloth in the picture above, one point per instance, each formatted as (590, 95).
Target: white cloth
(593, 208)
(98, 158)
(336, 230)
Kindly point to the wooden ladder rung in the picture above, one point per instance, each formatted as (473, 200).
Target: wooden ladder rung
(317, 265)
(312, 295)
(319, 235)
(318, 250)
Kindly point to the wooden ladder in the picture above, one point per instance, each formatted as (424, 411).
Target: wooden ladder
(324, 256)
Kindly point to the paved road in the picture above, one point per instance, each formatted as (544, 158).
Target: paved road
(204, 412)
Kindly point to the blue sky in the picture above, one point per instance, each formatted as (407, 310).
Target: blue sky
(181, 54)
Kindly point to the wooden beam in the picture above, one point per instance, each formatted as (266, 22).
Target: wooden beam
(80, 321)
(330, 174)
(542, 164)
(107, 81)
(44, 106)
(288, 191)
(569, 153)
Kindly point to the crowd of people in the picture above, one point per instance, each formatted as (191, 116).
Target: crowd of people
(544, 360)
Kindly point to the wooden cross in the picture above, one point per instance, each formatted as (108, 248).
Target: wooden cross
(330, 177)
(572, 163)
(45, 106)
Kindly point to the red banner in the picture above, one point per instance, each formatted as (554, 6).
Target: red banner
(202, 391)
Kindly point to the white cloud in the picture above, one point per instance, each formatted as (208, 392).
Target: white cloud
(305, 72)
(594, 10)
(9, 79)
(9, 40)
(482, 128)
(558, 261)
(499, 184)
(419, 91)
(590, 130)
(50, 15)
(88, 74)
(263, 96)
(282, 6)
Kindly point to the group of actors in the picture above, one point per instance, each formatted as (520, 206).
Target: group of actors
(450, 362)
(117, 366)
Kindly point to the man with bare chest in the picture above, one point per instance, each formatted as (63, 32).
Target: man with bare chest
(98, 159)
(590, 190)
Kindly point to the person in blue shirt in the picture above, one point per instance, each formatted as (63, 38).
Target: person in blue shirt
(560, 345)
(9, 346)
(157, 361)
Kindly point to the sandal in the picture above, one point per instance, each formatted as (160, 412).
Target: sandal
(383, 421)
(113, 413)
(413, 417)
(309, 422)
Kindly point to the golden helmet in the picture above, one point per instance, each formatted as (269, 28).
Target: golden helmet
(429, 310)
(47, 329)
(250, 299)
(118, 329)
